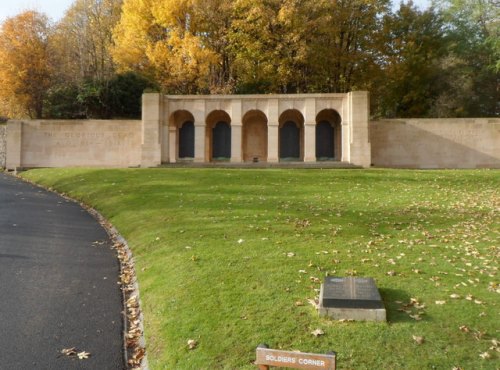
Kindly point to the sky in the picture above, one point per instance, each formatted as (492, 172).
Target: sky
(55, 9)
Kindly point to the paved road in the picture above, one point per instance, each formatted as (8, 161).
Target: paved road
(58, 283)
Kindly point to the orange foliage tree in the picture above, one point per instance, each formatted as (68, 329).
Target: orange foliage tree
(25, 64)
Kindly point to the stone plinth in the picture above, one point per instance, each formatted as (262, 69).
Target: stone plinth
(351, 299)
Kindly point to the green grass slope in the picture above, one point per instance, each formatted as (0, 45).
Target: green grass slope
(229, 258)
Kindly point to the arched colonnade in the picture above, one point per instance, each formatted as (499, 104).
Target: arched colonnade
(257, 128)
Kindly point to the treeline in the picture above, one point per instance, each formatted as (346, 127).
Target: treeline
(97, 61)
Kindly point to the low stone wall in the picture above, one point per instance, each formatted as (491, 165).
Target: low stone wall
(3, 145)
(110, 143)
(436, 143)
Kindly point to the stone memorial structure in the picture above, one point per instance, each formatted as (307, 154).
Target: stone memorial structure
(351, 298)
(269, 129)
(256, 128)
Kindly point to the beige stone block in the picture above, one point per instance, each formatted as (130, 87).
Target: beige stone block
(14, 140)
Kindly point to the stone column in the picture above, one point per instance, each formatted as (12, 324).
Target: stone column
(359, 138)
(152, 121)
(310, 130)
(272, 131)
(173, 143)
(199, 142)
(236, 131)
(14, 145)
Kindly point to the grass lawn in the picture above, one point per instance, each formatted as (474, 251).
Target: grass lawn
(229, 258)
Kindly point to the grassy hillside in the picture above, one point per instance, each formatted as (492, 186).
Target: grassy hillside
(229, 258)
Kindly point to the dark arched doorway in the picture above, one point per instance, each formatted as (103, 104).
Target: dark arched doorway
(328, 135)
(221, 141)
(291, 135)
(324, 141)
(186, 140)
(289, 141)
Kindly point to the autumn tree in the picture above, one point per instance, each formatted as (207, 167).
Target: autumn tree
(161, 39)
(346, 46)
(83, 39)
(25, 64)
(471, 68)
(412, 51)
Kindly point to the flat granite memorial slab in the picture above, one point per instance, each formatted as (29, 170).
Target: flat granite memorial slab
(351, 298)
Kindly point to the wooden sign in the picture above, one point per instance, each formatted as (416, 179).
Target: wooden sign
(296, 360)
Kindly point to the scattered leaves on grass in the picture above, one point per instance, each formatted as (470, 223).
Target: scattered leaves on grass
(440, 302)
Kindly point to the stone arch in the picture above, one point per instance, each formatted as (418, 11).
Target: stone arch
(254, 144)
(183, 121)
(291, 136)
(218, 135)
(328, 135)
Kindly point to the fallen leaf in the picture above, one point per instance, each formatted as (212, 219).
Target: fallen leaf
(313, 302)
(240, 241)
(440, 302)
(290, 254)
(192, 343)
(418, 339)
(299, 303)
(317, 332)
(485, 355)
(464, 328)
(454, 296)
(69, 351)
(83, 355)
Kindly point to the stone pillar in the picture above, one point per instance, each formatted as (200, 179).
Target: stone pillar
(173, 143)
(236, 131)
(359, 135)
(14, 145)
(198, 112)
(272, 131)
(152, 122)
(310, 130)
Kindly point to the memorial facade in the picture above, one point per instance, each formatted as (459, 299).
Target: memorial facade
(256, 128)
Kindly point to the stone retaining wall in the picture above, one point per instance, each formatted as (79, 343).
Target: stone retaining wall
(110, 143)
(436, 143)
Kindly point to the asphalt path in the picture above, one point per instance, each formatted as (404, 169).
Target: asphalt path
(58, 283)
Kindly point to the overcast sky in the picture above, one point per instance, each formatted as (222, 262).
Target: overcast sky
(55, 8)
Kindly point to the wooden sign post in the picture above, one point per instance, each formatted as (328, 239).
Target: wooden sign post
(296, 360)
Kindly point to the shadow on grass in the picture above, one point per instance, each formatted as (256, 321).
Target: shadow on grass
(394, 301)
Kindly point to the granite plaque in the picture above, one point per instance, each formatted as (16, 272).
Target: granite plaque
(351, 298)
